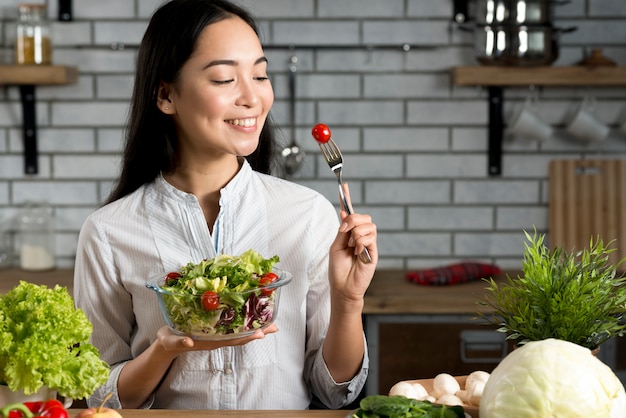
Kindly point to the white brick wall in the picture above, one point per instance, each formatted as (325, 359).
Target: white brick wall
(415, 145)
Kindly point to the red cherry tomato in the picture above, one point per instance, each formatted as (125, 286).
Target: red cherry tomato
(321, 133)
(266, 280)
(210, 300)
(170, 278)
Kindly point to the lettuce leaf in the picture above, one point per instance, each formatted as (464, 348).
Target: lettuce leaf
(44, 342)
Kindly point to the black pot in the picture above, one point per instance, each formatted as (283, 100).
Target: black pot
(517, 45)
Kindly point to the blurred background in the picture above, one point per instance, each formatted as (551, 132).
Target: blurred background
(379, 73)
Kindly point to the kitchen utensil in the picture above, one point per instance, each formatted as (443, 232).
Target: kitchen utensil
(520, 12)
(334, 158)
(583, 124)
(588, 200)
(517, 45)
(293, 155)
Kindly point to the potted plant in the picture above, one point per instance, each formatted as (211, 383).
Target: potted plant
(44, 343)
(577, 297)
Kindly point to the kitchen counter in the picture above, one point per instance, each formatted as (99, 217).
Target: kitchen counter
(169, 413)
(11, 277)
(391, 293)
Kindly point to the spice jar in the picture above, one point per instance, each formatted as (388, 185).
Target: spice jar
(33, 45)
(35, 237)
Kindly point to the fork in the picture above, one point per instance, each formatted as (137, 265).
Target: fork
(334, 158)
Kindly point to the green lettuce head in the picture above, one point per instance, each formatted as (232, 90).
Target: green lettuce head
(44, 342)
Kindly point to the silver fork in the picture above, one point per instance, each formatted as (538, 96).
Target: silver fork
(334, 158)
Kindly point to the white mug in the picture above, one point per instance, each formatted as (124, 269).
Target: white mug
(584, 125)
(526, 124)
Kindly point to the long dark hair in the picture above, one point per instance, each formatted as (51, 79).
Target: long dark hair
(167, 44)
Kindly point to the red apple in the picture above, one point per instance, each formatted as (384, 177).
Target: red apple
(100, 412)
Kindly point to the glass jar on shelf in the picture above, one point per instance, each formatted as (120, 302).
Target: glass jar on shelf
(33, 44)
(35, 237)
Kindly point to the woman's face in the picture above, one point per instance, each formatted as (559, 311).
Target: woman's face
(223, 95)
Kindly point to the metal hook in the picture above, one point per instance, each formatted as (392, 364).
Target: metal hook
(293, 67)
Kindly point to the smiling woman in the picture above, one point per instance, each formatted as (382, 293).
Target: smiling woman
(194, 185)
(218, 104)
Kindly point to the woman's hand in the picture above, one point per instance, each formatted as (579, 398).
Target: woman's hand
(349, 275)
(177, 344)
(141, 375)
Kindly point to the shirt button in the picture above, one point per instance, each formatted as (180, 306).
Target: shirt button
(228, 371)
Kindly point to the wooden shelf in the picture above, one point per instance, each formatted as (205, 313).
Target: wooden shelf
(38, 74)
(27, 77)
(544, 76)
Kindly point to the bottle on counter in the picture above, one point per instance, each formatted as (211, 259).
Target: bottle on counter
(35, 237)
(33, 44)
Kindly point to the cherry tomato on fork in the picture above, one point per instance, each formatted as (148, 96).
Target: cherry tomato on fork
(210, 300)
(266, 280)
(321, 133)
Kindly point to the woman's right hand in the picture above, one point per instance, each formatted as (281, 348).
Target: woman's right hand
(178, 343)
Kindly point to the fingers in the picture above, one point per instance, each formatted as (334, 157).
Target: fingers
(357, 232)
(174, 342)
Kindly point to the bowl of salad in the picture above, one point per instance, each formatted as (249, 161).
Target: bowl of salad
(221, 298)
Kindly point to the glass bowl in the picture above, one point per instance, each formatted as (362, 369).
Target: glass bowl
(239, 313)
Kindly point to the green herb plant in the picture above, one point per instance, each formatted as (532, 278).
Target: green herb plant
(44, 342)
(573, 296)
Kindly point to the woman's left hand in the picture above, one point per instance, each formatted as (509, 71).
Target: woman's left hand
(349, 275)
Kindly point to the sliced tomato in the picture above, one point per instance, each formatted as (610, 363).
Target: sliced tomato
(266, 280)
(210, 300)
(171, 277)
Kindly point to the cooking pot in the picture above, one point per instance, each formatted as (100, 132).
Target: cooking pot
(520, 12)
(517, 45)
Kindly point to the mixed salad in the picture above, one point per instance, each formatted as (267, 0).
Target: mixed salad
(222, 296)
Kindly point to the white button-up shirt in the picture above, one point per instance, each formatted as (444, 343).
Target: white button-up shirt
(159, 228)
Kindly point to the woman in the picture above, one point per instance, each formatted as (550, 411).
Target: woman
(194, 184)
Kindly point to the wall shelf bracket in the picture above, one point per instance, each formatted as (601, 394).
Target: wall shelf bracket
(496, 128)
(27, 94)
(27, 77)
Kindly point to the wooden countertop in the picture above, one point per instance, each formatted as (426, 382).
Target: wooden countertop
(169, 413)
(9, 278)
(389, 293)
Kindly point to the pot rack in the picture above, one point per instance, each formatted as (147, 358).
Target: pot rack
(496, 78)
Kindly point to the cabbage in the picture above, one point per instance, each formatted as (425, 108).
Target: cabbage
(552, 378)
